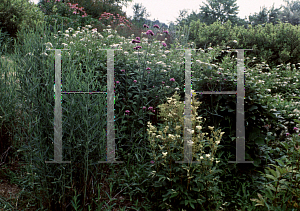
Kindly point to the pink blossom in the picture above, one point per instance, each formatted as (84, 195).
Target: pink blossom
(134, 81)
(136, 41)
(172, 79)
(150, 32)
(137, 47)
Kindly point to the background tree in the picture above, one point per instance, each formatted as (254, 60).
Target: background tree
(222, 10)
(182, 18)
(265, 16)
(140, 15)
(259, 18)
(291, 13)
(274, 15)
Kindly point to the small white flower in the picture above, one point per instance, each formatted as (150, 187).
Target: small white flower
(207, 155)
(109, 26)
(211, 128)
(88, 26)
(64, 44)
(126, 52)
(171, 136)
(115, 45)
(234, 41)
(217, 161)
(217, 142)
(48, 44)
(67, 31)
(210, 48)
(164, 154)
(44, 54)
(176, 88)
(199, 127)
(201, 157)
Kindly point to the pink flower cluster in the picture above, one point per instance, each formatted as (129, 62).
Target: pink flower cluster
(76, 9)
(151, 109)
(122, 19)
(136, 41)
(150, 32)
(137, 47)
(296, 129)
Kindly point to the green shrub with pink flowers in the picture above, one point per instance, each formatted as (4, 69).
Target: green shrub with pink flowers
(147, 72)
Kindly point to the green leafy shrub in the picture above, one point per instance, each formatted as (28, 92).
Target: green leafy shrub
(16, 14)
(96, 8)
(220, 110)
(184, 186)
(281, 182)
(274, 44)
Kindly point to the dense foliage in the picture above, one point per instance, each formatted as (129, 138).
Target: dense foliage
(147, 72)
(16, 14)
(272, 44)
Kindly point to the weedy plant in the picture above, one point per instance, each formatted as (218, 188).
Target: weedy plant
(184, 186)
(281, 183)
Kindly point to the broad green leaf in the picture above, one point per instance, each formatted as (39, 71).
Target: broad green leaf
(272, 171)
(253, 107)
(270, 186)
(192, 205)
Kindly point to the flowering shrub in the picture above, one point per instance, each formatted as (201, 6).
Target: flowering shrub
(111, 19)
(184, 185)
